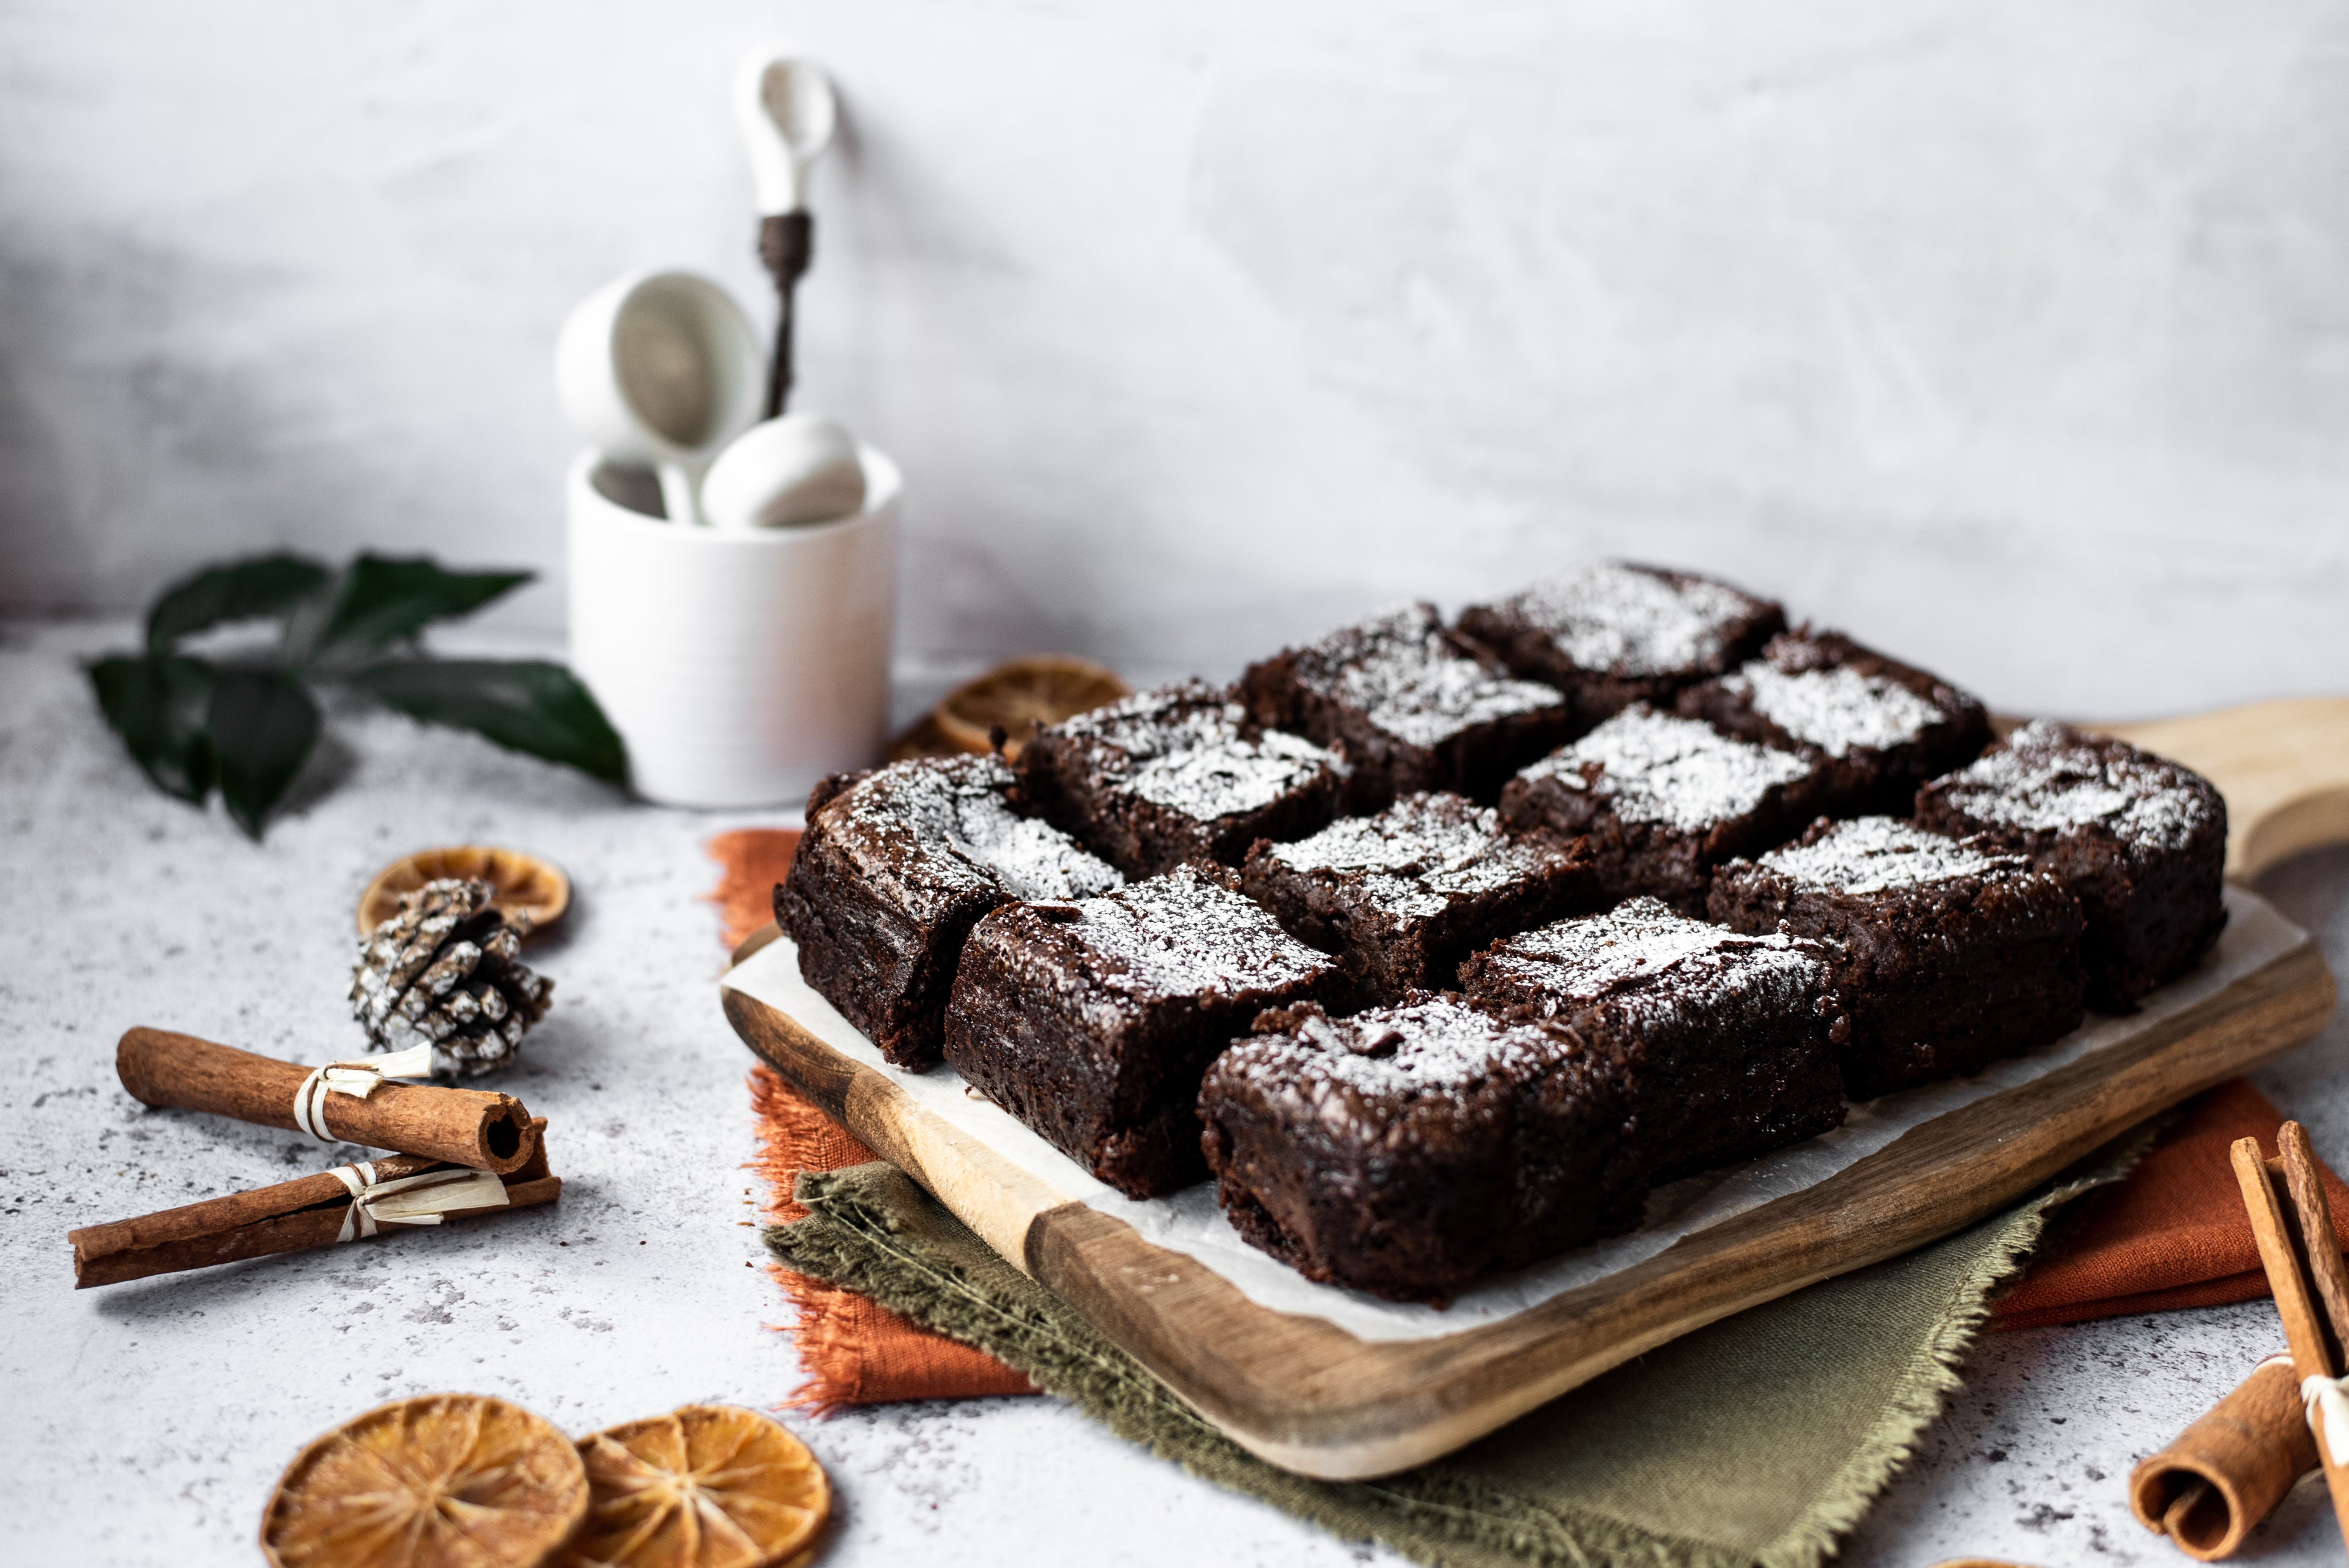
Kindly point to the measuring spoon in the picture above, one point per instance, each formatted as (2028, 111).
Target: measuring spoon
(660, 370)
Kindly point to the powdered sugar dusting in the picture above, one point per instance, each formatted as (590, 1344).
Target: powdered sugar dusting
(1656, 768)
(1656, 964)
(1183, 747)
(1433, 1047)
(2049, 779)
(1400, 672)
(1035, 859)
(1837, 710)
(958, 808)
(1874, 854)
(1184, 934)
(1624, 621)
(1418, 855)
(1230, 777)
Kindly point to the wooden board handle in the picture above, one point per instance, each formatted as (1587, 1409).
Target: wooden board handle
(2283, 767)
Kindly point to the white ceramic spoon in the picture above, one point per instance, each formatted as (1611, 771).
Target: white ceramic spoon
(784, 473)
(660, 370)
(788, 116)
(787, 113)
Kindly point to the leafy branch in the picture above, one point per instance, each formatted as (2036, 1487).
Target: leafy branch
(246, 726)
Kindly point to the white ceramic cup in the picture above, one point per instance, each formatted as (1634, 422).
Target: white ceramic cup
(660, 369)
(740, 667)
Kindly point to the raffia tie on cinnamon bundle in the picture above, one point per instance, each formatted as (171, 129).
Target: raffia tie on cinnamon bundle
(2220, 1477)
(349, 1203)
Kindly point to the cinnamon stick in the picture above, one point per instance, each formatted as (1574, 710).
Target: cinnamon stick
(2221, 1476)
(461, 1126)
(292, 1216)
(2305, 1331)
(2315, 1239)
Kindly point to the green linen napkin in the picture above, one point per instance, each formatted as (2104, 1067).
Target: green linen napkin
(1758, 1440)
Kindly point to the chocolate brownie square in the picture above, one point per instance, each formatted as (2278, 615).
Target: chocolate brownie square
(1881, 727)
(2140, 840)
(1404, 895)
(1091, 1021)
(1727, 1040)
(1947, 954)
(1177, 774)
(1408, 1150)
(893, 868)
(1409, 706)
(1662, 800)
(1612, 634)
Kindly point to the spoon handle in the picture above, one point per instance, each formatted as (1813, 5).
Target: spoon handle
(679, 500)
(786, 245)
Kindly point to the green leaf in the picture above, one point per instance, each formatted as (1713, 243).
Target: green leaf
(159, 705)
(263, 725)
(526, 706)
(265, 585)
(380, 600)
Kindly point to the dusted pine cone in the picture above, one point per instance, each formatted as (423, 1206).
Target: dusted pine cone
(443, 970)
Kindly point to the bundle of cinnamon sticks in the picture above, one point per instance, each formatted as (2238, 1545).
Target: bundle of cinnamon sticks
(2220, 1477)
(459, 1154)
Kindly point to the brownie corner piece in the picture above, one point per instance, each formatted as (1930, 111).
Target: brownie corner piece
(1404, 895)
(1880, 727)
(1726, 1038)
(1410, 706)
(1948, 954)
(1174, 774)
(1615, 633)
(895, 866)
(1662, 799)
(1092, 1020)
(1409, 1151)
(2140, 840)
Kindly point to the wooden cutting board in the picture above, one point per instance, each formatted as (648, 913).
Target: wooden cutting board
(1311, 1396)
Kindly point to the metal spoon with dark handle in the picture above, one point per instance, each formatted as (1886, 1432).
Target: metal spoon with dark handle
(787, 113)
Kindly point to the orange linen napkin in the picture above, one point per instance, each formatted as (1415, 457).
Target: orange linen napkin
(854, 1351)
(750, 862)
(2172, 1235)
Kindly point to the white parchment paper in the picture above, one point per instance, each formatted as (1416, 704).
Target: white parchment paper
(1191, 1223)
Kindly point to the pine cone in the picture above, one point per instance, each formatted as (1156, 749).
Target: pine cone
(443, 970)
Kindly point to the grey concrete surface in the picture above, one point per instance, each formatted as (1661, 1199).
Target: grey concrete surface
(145, 1423)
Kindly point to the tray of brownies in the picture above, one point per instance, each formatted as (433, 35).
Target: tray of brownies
(1446, 1012)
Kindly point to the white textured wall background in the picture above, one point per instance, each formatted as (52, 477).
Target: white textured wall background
(2015, 336)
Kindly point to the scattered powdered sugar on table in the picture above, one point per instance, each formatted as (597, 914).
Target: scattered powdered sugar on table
(956, 806)
(1182, 934)
(1398, 669)
(2049, 779)
(1183, 746)
(1419, 854)
(1836, 710)
(1658, 767)
(1871, 854)
(1655, 964)
(1619, 620)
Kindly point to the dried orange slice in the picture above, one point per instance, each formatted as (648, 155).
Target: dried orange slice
(1043, 689)
(708, 1486)
(530, 892)
(443, 1480)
